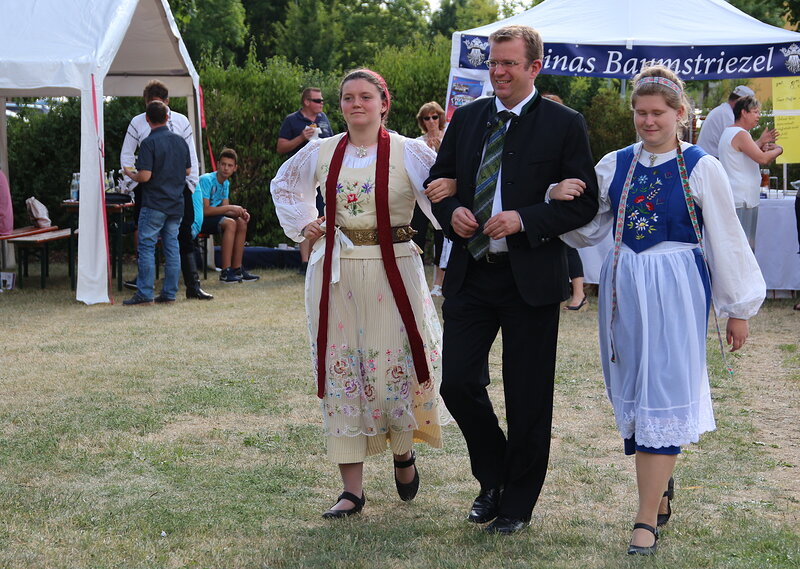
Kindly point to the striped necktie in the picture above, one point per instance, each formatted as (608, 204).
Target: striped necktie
(478, 245)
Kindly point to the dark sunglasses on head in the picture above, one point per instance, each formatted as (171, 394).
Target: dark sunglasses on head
(431, 118)
(317, 100)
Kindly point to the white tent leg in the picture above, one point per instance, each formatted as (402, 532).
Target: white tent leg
(8, 250)
(93, 263)
(4, 138)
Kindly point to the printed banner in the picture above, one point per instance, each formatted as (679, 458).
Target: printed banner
(690, 62)
(462, 92)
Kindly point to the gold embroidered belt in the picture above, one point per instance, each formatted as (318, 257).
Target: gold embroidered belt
(400, 234)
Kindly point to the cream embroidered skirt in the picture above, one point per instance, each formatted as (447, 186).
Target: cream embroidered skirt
(371, 394)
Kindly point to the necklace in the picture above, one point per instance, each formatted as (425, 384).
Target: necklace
(653, 158)
(361, 151)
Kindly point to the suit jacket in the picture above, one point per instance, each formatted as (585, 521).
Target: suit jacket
(546, 144)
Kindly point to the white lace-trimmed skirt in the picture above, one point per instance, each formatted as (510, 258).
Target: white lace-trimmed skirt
(371, 387)
(658, 384)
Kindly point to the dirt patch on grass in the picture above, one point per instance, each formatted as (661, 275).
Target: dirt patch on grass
(773, 400)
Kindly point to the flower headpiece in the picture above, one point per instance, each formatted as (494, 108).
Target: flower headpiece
(660, 81)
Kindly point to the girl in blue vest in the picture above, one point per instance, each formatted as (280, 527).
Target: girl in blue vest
(670, 208)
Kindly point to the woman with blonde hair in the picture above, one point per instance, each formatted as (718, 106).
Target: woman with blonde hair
(677, 246)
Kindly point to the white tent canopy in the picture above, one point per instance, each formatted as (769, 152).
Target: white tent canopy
(699, 39)
(92, 48)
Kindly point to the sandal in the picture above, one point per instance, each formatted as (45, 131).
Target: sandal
(669, 494)
(359, 505)
(641, 549)
(578, 307)
(407, 491)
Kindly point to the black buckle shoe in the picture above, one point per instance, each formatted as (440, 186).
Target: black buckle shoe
(669, 494)
(484, 508)
(407, 491)
(359, 505)
(641, 549)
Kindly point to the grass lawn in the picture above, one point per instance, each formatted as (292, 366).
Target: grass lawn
(189, 436)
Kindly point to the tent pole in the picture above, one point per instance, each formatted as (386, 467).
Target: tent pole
(4, 139)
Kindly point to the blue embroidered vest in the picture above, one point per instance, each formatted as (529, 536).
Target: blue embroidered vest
(656, 208)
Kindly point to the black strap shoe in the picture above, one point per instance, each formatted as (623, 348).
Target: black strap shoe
(669, 494)
(641, 549)
(359, 505)
(407, 491)
(484, 508)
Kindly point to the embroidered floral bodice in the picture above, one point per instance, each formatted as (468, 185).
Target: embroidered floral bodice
(355, 189)
(656, 208)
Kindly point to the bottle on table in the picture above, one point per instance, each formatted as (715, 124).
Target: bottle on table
(74, 188)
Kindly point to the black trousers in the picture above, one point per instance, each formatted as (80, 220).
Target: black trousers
(574, 264)
(185, 241)
(487, 303)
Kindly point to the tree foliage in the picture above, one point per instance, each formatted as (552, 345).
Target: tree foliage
(415, 74)
(211, 26)
(454, 15)
(340, 34)
(610, 123)
(245, 107)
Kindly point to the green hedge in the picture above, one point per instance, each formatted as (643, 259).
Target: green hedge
(244, 109)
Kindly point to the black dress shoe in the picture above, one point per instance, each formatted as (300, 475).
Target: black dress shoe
(484, 508)
(198, 293)
(407, 491)
(669, 494)
(506, 525)
(641, 549)
(359, 505)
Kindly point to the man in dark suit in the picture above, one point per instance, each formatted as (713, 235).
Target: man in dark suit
(515, 280)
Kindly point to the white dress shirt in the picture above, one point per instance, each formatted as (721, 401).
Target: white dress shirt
(138, 130)
(500, 245)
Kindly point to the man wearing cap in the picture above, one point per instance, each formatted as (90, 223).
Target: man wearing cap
(721, 117)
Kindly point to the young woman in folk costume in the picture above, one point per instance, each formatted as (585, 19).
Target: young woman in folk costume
(374, 330)
(672, 213)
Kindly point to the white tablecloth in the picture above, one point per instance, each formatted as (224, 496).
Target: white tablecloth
(776, 247)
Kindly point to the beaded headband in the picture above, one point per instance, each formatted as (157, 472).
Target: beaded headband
(660, 81)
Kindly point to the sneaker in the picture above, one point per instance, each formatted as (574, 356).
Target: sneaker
(436, 290)
(130, 285)
(227, 276)
(161, 299)
(244, 275)
(137, 300)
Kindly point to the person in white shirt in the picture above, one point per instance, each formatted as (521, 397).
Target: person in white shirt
(721, 117)
(741, 156)
(138, 130)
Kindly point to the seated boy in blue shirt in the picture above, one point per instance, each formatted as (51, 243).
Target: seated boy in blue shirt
(220, 216)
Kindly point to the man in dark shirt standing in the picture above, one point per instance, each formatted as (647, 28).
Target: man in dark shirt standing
(297, 129)
(163, 165)
(304, 125)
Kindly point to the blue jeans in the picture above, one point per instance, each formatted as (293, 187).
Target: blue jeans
(153, 223)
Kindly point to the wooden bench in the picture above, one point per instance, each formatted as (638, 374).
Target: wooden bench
(40, 240)
(21, 232)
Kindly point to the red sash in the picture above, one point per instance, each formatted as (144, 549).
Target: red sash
(387, 255)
